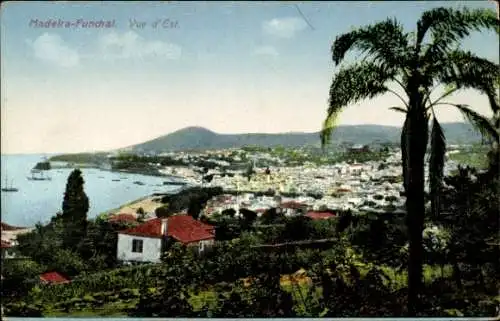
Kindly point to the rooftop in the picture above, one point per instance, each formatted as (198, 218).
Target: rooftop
(183, 228)
(53, 277)
(319, 215)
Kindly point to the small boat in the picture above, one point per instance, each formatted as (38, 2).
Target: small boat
(115, 180)
(40, 177)
(138, 183)
(9, 188)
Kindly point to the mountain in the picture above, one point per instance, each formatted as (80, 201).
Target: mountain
(199, 138)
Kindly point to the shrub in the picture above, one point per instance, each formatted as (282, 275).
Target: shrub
(162, 211)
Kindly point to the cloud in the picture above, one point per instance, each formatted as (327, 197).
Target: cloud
(284, 27)
(131, 45)
(266, 51)
(52, 48)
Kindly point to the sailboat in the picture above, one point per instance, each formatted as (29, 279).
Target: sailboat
(9, 188)
(38, 178)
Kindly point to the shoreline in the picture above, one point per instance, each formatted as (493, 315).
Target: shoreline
(123, 171)
(139, 200)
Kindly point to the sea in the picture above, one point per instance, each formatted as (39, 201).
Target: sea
(38, 201)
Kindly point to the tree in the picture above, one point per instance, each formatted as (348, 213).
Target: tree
(194, 209)
(472, 222)
(297, 228)
(250, 171)
(229, 212)
(162, 211)
(19, 276)
(141, 215)
(418, 63)
(269, 300)
(271, 216)
(74, 210)
(249, 217)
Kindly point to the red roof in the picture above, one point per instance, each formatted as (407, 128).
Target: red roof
(183, 228)
(151, 228)
(122, 218)
(53, 277)
(292, 205)
(6, 245)
(320, 215)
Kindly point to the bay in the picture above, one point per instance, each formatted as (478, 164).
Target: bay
(38, 201)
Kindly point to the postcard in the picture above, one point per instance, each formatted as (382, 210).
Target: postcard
(246, 159)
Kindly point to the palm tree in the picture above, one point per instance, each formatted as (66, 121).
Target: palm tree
(418, 63)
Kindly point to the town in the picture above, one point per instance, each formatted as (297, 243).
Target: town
(234, 194)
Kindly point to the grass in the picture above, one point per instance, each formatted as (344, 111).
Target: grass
(202, 298)
(112, 309)
(475, 158)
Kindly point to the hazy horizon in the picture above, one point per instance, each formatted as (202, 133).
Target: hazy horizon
(229, 67)
(199, 127)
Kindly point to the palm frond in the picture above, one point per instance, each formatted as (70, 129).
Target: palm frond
(436, 164)
(464, 69)
(449, 25)
(482, 124)
(448, 90)
(399, 109)
(385, 42)
(349, 85)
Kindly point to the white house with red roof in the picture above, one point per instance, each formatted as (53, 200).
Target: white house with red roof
(146, 242)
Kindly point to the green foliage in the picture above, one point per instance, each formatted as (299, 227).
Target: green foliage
(24, 310)
(296, 228)
(74, 210)
(141, 215)
(477, 158)
(163, 211)
(249, 218)
(19, 277)
(418, 65)
(227, 229)
(67, 262)
(81, 158)
(45, 166)
(230, 212)
(195, 208)
(271, 216)
(194, 198)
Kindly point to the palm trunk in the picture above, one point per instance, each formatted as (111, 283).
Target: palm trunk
(416, 139)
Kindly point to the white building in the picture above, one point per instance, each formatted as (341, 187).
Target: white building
(146, 242)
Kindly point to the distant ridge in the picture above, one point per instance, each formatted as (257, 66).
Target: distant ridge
(199, 138)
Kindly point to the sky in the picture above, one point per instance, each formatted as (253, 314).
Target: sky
(152, 68)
